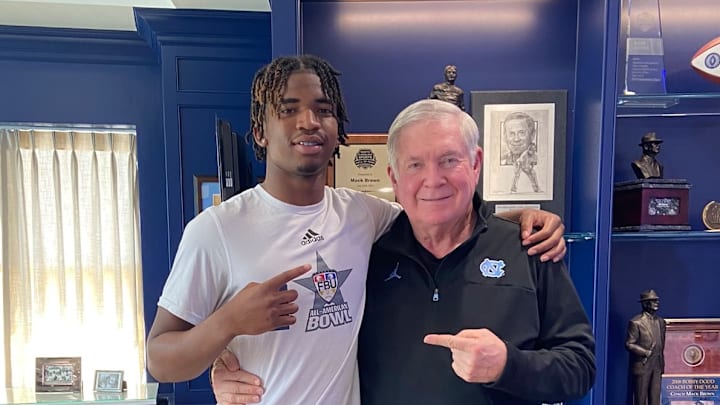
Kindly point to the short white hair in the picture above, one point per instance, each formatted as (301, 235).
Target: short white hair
(433, 110)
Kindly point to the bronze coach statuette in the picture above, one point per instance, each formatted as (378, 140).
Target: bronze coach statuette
(645, 340)
(647, 167)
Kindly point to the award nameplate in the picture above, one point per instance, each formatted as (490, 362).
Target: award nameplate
(711, 216)
(692, 360)
(362, 166)
(651, 205)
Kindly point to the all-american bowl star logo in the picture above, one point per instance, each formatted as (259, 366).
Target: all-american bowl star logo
(329, 308)
(492, 268)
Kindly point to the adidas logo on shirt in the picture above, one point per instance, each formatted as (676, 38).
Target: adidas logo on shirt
(311, 237)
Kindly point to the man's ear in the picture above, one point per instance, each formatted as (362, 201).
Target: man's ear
(393, 179)
(478, 159)
(258, 136)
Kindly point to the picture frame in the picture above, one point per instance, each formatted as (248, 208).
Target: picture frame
(206, 191)
(523, 136)
(58, 374)
(108, 381)
(362, 166)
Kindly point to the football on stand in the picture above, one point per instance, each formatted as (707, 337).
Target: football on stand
(706, 60)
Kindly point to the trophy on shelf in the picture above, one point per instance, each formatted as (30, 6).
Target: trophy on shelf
(650, 203)
(644, 54)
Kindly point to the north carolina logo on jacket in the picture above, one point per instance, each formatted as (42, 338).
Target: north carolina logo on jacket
(492, 268)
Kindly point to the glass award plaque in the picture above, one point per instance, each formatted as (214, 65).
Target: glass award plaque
(644, 62)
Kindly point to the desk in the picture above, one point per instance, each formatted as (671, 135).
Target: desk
(139, 395)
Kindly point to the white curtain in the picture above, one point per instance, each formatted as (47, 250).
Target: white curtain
(70, 247)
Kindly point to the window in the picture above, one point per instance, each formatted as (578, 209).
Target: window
(70, 247)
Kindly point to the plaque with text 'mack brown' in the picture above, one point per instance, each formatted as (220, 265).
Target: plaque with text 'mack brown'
(692, 362)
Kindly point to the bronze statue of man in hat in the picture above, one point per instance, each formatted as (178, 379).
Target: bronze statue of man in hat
(647, 167)
(645, 340)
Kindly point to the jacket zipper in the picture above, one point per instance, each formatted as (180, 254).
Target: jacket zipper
(436, 290)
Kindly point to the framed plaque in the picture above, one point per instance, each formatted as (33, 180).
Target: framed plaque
(692, 361)
(362, 166)
(692, 346)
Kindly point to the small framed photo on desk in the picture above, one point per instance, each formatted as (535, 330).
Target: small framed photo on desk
(108, 381)
(57, 374)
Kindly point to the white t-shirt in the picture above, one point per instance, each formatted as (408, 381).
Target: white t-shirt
(253, 237)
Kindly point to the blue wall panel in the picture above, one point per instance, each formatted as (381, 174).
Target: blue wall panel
(285, 27)
(216, 75)
(592, 161)
(391, 53)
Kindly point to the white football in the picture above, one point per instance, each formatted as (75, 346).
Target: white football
(706, 60)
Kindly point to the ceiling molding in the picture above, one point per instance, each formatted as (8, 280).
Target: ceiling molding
(74, 46)
(104, 14)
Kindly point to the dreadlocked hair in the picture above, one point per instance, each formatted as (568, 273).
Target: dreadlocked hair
(269, 84)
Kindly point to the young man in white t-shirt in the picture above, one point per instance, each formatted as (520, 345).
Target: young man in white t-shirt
(297, 330)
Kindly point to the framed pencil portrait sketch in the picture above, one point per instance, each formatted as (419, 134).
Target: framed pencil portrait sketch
(362, 166)
(522, 134)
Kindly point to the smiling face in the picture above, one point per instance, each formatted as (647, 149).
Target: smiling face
(434, 176)
(301, 136)
(517, 135)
